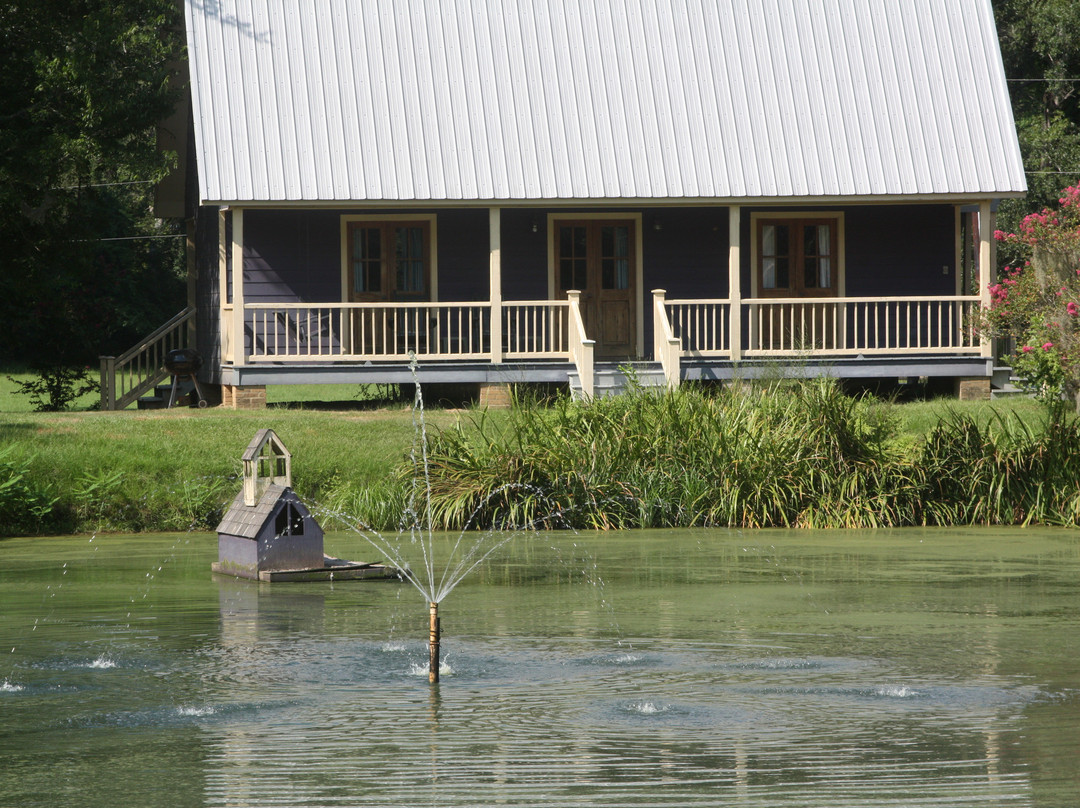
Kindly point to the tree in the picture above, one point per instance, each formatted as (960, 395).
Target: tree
(83, 84)
(1037, 303)
(1041, 52)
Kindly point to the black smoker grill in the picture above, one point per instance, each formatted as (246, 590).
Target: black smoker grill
(184, 363)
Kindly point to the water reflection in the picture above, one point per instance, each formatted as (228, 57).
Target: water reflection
(697, 668)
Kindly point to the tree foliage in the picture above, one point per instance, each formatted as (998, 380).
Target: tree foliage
(1041, 52)
(1037, 302)
(83, 84)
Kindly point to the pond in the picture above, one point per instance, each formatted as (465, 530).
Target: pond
(894, 668)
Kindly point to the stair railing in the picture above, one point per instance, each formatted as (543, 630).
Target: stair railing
(581, 347)
(667, 348)
(126, 377)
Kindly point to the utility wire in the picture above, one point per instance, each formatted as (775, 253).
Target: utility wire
(140, 238)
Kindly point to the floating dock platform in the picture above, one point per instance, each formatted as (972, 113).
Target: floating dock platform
(333, 569)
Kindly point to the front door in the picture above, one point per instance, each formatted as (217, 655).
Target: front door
(596, 257)
(389, 261)
(797, 258)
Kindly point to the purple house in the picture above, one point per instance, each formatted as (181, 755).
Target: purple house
(520, 192)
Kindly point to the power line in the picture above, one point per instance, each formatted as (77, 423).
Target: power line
(137, 238)
(104, 185)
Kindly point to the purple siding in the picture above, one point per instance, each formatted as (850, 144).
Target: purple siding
(463, 254)
(900, 250)
(207, 294)
(524, 254)
(890, 249)
(292, 255)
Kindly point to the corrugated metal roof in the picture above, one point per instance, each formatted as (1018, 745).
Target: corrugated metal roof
(420, 100)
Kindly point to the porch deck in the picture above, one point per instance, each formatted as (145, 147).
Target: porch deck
(548, 341)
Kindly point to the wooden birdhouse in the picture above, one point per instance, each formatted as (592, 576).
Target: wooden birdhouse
(268, 528)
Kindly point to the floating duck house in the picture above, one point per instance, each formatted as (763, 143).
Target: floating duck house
(268, 534)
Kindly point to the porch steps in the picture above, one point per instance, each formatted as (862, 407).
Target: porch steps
(613, 378)
(159, 398)
(1005, 383)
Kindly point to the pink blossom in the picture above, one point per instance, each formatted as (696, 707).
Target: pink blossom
(1026, 349)
(1072, 308)
(1047, 346)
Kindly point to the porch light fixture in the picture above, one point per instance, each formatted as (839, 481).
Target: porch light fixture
(535, 226)
(658, 226)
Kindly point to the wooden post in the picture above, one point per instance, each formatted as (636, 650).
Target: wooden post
(224, 324)
(238, 350)
(734, 283)
(433, 645)
(108, 383)
(495, 282)
(986, 268)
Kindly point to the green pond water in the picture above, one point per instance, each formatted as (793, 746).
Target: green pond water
(713, 667)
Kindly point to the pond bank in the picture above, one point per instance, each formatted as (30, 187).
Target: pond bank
(800, 455)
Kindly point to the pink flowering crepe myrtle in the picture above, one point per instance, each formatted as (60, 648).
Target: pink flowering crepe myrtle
(1037, 304)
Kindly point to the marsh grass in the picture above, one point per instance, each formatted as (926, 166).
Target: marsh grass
(790, 454)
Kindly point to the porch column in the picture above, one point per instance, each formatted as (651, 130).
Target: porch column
(495, 282)
(224, 323)
(987, 270)
(237, 330)
(735, 282)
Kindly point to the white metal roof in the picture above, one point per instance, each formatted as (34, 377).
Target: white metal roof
(517, 100)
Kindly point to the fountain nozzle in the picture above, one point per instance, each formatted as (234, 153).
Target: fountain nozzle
(433, 645)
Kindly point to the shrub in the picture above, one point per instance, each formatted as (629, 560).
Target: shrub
(56, 388)
(26, 504)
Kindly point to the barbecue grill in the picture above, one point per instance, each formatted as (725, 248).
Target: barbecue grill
(184, 363)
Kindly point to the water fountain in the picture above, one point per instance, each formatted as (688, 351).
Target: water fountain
(470, 549)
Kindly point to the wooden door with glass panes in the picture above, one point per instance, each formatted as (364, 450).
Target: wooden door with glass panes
(797, 259)
(389, 261)
(596, 258)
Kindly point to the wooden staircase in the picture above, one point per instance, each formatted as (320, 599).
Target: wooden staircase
(1005, 382)
(613, 378)
(158, 399)
(138, 370)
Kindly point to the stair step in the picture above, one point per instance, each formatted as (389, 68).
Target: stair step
(159, 399)
(611, 379)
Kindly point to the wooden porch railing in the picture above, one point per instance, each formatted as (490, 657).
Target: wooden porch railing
(300, 332)
(862, 325)
(555, 329)
(702, 327)
(531, 329)
(581, 347)
(283, 332)
(536, 329)
(126, 377)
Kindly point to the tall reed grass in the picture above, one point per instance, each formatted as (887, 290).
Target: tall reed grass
(798, 454)
(787, 455)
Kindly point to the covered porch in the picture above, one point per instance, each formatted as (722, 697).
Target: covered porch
(687, 336)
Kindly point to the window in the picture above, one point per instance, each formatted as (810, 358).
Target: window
(388, 260)
(289, 521)
(797, 257)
